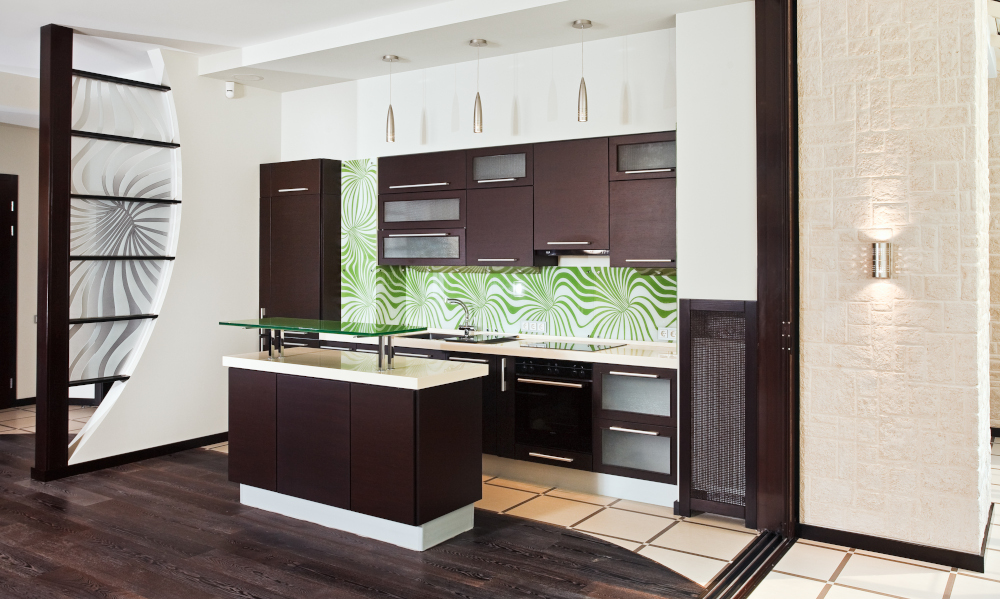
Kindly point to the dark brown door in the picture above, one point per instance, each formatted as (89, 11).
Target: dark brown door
(491, 393)
(433, 171)
(505, 408)
(252, 439)
(314, 439)
(383, 452)
(295, 257)
(571, 195)
(500, 232)
(298, 177)
(644, 223)
(504, 166)
(8, 288)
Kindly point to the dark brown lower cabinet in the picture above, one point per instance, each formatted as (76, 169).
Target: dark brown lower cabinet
(252, 418)
(638, 450)
(314, 439)
(491, 393)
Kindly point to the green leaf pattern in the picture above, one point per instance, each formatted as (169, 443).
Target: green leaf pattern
(611, 303)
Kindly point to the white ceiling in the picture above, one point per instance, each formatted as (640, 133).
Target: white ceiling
(296, 44)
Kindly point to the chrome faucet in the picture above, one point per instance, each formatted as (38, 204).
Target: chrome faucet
(467, 327)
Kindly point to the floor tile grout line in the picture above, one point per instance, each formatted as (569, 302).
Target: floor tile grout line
(826, 590)
(617, 537)
(800, 576)
(951, 584)
(896, 559)
(504, 511)
(597, 512)
(691, 553)
(840, 567)
(663, 531)
(854, 587)
(514, 488)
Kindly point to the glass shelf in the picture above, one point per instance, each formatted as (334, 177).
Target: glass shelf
(317, 326)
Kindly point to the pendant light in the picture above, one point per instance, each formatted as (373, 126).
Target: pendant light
(477, 118)
(390, 122)
(581, 99)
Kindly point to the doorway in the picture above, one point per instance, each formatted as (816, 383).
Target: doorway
(8, 289)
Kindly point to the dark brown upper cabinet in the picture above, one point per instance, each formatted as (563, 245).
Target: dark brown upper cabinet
(571, 195)
(644, 223)
(433, 171)
(299, 265)
(300, 177)
(422, 210)
(645, 156)
(500, 227)
(425, 247)
(505, 166)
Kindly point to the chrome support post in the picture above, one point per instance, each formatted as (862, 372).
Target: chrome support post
(281, 343)
(381, 354)
(270, 344)
(389, 351)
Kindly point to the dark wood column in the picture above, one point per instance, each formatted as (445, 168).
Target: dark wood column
(52, 379)
(8, 288)
(777, 268)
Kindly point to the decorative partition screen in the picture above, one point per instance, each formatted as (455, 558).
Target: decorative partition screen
(109, 213)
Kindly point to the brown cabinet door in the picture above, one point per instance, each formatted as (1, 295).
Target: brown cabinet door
(427, 247)
(636, 394)
(298, 177)
(644, 156)
(252, 439)
(422, 172)
(491, 393)
(644, 223)
(383, 452)
(499, 230)
(314, 439)
(637, 450)
(422, 210)
(504, 166)
(571, 195)
(295, 257)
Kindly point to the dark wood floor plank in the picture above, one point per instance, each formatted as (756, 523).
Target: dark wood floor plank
(173, 527)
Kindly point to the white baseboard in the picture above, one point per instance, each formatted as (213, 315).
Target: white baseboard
(627, 488)
(419, 537)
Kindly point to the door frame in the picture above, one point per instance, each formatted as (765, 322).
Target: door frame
(8, 283)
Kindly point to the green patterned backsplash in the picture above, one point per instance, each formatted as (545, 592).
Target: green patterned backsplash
(628, 304)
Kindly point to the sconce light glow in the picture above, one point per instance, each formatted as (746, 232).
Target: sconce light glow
(881, 260)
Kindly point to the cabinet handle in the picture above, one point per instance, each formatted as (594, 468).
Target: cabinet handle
(550, 457)
(503, 374)
(649, 260)
(640, 431)
(555, 383)
(335, 348)
(413, 185)
(293, 190)
(293, 344)
(649, 375)
(460, 359)
(368, 351)
(413, 355)
(495, 180)
(417, 235)
(496, 259)
(650, 171)
(569, 243)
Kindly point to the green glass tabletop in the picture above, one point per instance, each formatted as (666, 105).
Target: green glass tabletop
(317, 326)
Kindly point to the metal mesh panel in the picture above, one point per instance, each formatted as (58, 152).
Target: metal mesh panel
(421, 247)
(406, 211)
(653, 155)
(718, 406)
(500, 166)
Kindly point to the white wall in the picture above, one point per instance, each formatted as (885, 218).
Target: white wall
(527, 97)
(19, 156)
(19, 100)
(717, 154)
(178, 390)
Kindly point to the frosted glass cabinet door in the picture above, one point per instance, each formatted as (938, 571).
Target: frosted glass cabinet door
(427, 247)
(422, 210)
(636, 394)
(637, 450)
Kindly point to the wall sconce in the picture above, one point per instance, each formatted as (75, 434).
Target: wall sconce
(881, 260)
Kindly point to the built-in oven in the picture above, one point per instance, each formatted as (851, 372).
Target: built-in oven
(553, 414)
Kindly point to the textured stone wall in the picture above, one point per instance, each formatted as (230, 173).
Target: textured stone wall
(895, 374)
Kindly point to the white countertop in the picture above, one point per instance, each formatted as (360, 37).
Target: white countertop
(358, 367)
(634, 354)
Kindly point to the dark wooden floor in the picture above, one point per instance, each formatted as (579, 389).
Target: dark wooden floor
(173, 527)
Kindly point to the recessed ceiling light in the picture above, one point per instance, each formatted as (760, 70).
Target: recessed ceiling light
(247, 77)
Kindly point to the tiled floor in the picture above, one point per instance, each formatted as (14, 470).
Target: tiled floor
(814, 570)
(698, 548)
(22, 419)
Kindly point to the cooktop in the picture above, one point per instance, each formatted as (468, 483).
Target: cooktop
(569, 346)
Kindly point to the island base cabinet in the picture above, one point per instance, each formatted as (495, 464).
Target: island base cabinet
(252, 415)
(314, 439)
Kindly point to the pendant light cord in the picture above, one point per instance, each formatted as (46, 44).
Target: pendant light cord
(581, 53)
(477, 69)
(390, 83)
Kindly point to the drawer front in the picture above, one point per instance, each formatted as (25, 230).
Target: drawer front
(293, 339)
(557, 458)
(296, 177)
(422, 210)
(421, 172)
(429, 247)
(420, 353)
(342, 346)
(636, 450)
(635, 394)
(506, 166)
(646, 156)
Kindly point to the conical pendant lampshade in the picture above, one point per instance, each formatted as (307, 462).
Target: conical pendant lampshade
(477, 117)
(581, 99)
(390, 127)
(477, 120)
(390, 121)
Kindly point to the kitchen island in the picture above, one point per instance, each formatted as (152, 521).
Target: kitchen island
(343, 440)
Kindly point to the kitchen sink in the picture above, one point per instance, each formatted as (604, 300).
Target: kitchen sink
(481, 339)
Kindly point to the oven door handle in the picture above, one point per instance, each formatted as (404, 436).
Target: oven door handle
(555, 383)
(550, 457)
